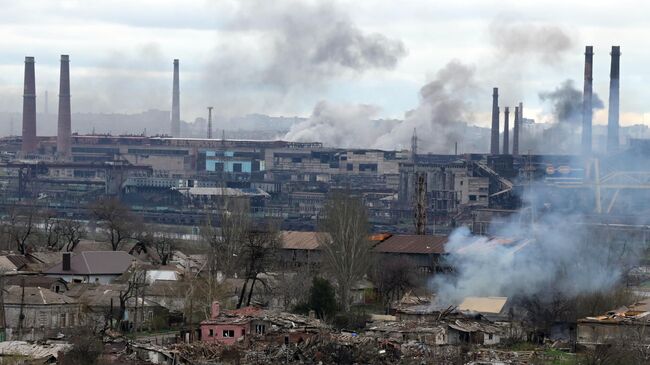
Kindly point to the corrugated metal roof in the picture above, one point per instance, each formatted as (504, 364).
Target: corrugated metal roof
(414, 244)
(294, 240)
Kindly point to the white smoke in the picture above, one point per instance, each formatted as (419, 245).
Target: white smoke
(440, 119)
(558, 253)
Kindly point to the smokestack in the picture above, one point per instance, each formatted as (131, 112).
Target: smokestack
(209, 122)
(64, 129)
(30, 143)
(612, 120)
(587, 101)
(506, 131)
(494, 140)
(176, 104)
(515, 132)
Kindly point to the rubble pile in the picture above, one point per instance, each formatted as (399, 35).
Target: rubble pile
(198, 351)
(325, 349)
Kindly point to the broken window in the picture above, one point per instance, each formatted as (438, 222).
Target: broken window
(228, 333)
(260, 329)
(211, 333)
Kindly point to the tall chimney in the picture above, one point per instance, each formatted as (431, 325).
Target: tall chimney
(515, 132)
(506, 131)
(209, 122)
(587, 101)
(64, 129)
(612, 120)
(494, 140)
(176, 104)
(30, 143)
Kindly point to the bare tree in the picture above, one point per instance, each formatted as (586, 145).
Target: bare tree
(50, 228)
(20, 227)
(163, 244)
(136, 279)
(345, 247)
(115, 218)
(393, 277)
(71, 232)
(257, 256)
(226, 242)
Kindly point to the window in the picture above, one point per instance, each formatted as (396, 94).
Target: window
(43, 318)
(211, 333)
(350, 167)
(490, 336)
(472, 198)
(243, 332)
(228, 333)
(57, 289)
(260, 329)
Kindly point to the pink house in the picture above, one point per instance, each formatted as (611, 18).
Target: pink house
(231, 326)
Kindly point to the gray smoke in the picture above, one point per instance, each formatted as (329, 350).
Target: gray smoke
(442, 114)
(555, 254)
(513, 38)
(566, 101)
(340, 125)
(300, 48)
(440, 119)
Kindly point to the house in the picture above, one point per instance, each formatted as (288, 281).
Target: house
(34, 313)
(13, 263)
(100, 267)
(424, 251)
(445, 332)
(54, 284)
(300, 249)
(629, 323)
(102, 305)
(228, 328)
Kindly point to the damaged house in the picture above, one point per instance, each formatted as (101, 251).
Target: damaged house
(629, 324)
(34, 313)
(231, 326)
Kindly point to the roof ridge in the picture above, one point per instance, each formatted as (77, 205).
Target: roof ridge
(83, 255)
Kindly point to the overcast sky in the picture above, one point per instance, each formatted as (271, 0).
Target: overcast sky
(282, 57)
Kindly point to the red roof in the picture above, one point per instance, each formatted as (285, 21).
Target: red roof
(414, 244)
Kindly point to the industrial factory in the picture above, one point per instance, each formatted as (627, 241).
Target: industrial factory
(176, 180)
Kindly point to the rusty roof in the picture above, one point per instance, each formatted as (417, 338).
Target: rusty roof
(413, 244)
(294, 240)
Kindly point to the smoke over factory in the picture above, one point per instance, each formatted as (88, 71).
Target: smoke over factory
(339, 183)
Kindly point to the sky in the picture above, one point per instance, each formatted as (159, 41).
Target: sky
(284, 57)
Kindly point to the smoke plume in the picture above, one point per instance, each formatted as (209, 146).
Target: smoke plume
(440, 119)
(555, 254)
(300, 47)
(566, 102)
(340, 126)
(512, 38)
